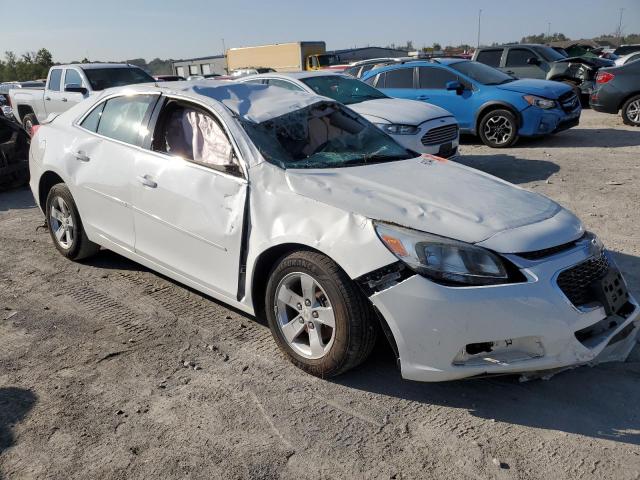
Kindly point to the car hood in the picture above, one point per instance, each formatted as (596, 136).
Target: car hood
(443, 198)
(397, 110)
(541, 88)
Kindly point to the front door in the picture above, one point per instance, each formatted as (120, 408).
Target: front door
(432, 83)
(518, 64)
(189, 198)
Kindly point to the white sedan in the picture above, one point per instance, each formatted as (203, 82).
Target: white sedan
(418, 126)
(293, 207)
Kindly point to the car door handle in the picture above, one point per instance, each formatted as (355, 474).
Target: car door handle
(64, 99)
(83, 157)
(510, 72)
(48, 99)
(147, 182)
(422, 97)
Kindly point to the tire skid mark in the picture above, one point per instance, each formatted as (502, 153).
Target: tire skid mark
(110, 310)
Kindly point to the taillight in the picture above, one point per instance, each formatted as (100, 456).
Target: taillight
(604, 77)
(34, 129)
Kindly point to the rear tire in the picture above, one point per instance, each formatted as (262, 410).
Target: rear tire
(65, 225)
(498, 129)
(28, 121)
(631, 111)
(304, 284)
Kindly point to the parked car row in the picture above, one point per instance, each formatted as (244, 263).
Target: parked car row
(289, 205)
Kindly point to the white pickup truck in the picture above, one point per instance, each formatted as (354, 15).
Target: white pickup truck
(68, 85)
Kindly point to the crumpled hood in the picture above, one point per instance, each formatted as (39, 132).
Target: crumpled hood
(443, 198)
(398, 110)
(541, 88)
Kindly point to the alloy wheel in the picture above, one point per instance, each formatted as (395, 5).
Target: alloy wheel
(61, 223)
(498, 130)
(305, 316)
(633, 111)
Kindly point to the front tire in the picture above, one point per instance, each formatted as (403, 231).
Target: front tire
(631, 111)
(65, 225)
(498, 129)
(317, 315)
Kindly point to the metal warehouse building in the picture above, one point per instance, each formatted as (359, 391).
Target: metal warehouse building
(200, 66)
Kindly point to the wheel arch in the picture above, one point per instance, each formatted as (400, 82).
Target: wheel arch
(47, 180)
(264, 263)
(495, 105)
(627, 98)
(25, 110)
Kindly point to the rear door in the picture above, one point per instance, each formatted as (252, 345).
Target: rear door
(517, 64)
(102, 165)
(189, 197)
(399, 83)
(55, 100)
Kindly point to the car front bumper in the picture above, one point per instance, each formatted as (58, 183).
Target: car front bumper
(447, 148)
(537, 121)
(531, 326)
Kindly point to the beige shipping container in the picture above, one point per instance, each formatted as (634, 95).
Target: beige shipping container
(282, 57)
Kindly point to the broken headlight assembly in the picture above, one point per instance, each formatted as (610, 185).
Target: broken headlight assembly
(540, 102)
(396, 129)
(444, 260)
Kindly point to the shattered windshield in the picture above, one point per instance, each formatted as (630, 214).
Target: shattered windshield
(323, 135)
(344, 90)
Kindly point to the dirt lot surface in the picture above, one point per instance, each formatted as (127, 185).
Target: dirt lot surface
(93, 383)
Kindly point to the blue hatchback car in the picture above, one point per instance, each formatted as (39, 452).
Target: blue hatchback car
(485, 101)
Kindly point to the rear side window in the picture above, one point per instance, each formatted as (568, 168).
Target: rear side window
(121, 118)
(490, 57)
(92, 120)
(54, 79)
(283, 84)
(435, 78)
(517, 57)
(400, 78)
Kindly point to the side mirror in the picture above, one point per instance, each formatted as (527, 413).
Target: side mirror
(533, 61)
(457, 86)
(75, 88)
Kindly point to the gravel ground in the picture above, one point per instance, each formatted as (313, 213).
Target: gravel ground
(93, 382)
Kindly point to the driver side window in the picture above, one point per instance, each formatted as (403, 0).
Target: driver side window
(190, 132)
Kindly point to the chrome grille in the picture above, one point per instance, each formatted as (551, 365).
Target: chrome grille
(439, 135)
(576, 281)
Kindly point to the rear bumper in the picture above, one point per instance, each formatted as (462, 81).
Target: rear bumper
(606, 99)
(531, 326)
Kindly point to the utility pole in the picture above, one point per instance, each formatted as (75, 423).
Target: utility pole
(224, 54)
(548, 31)
(620, 27)
(479, 15)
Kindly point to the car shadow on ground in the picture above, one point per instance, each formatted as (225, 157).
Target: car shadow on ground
(575, 137)
(510, 168)
(15, 404)
(586, 138)
(599, 402)
(17, 199)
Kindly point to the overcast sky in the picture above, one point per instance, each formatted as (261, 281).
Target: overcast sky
(120, 30)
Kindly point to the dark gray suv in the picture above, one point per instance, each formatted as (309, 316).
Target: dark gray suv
(545, 63)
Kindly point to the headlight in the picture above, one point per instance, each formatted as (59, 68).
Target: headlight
(396, 129)
(544, 103)
(443, 259)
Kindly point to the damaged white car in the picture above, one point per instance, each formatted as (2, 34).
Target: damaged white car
(292, 206)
